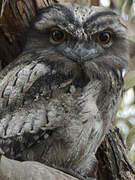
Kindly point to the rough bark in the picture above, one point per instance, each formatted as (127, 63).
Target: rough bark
(113, 162)
(29, 170)
(14, 21)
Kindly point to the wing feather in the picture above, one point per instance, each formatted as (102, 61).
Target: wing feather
(21, 123)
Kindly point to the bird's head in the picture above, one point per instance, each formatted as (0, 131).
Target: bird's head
(79, 38)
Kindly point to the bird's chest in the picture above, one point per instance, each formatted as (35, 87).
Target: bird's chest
(73, 118)
(76, 121)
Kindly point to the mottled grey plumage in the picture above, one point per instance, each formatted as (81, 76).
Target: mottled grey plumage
(58, 99)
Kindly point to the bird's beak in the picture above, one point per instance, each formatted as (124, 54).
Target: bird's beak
(81, 53)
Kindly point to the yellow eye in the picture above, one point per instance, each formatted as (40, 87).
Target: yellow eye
(104, 38)
(58, 35)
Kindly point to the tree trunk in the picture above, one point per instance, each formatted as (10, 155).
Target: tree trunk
(14, 21)
(112, 157)
(113, 163)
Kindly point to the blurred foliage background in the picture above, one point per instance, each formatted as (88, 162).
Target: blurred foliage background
(125, 119)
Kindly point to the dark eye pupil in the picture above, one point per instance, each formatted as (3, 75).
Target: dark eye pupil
(58, 35)
(104, 37)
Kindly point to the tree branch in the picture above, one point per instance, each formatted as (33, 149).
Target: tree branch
(29, 170)
(113, 160)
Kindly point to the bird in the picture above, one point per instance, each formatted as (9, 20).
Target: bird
(61, 94)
